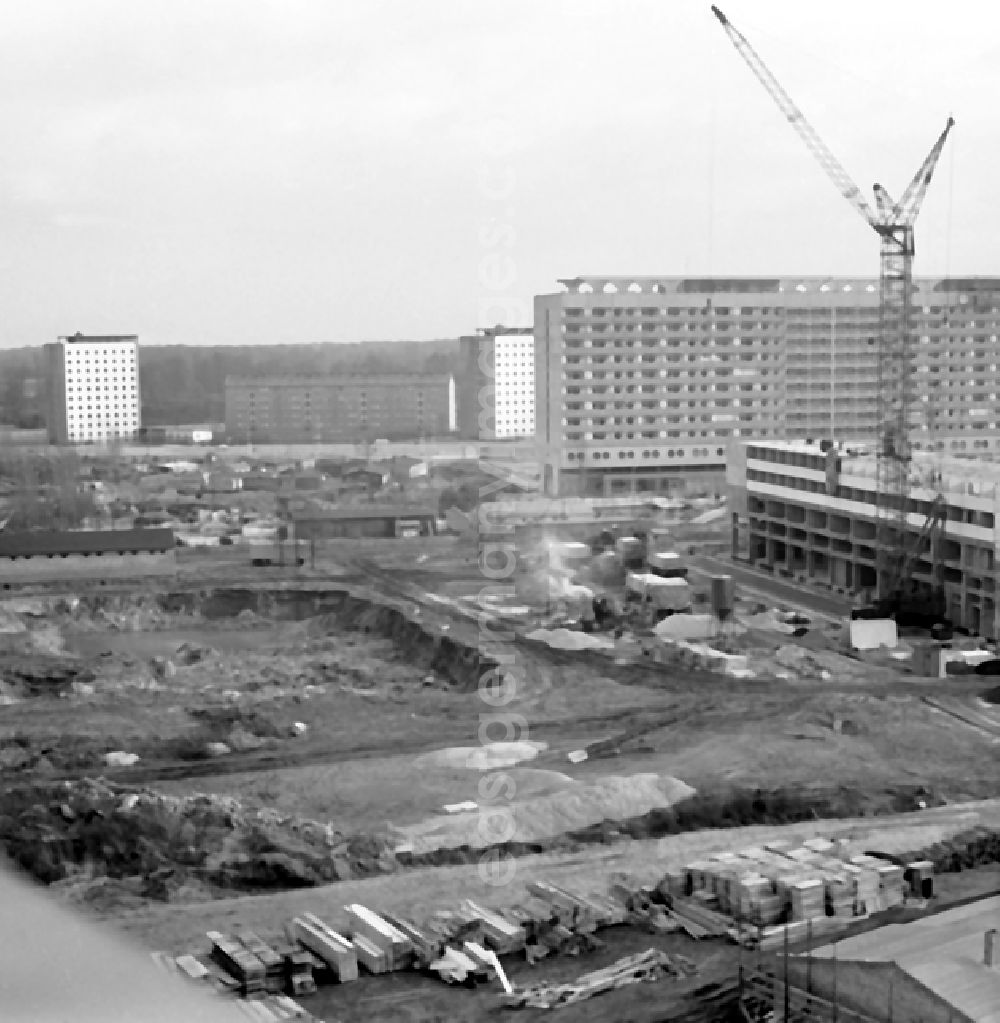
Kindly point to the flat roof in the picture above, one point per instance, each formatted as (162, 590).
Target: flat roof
(765, 285)
(971, 476)
(92, 339)
(366, 380)
(943, 952)
(84, 541)
(368, 511)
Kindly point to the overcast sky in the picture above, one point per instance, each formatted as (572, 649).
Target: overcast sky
(247, 171)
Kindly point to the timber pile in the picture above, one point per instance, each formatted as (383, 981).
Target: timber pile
(239, 963)
(698, 919)
(646, 966)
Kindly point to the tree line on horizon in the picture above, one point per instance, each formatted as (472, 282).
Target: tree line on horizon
(183, 384)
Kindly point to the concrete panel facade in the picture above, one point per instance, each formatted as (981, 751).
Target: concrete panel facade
(797, 519)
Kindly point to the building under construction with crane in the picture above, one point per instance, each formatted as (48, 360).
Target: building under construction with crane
(893, 526)
(809, 511)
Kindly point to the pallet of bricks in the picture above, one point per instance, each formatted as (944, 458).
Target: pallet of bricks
(781, 889)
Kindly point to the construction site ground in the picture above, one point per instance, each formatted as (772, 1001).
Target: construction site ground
(333, 694)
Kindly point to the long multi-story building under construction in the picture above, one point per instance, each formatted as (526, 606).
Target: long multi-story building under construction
(808, 511)
(642, 382)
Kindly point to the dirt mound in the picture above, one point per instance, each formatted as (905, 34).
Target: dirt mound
(162, 845)
(44, 676)
(537, 818)
(487, 757)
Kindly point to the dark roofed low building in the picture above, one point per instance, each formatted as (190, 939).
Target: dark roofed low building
(59, 542)
(62, 555)
(367, 520)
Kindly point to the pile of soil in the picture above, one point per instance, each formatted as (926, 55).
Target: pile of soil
(43, 676)
(538, 818)
(160, 843)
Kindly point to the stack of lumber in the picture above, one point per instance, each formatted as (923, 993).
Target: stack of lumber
(370, 956)
(427, 946)
(650, 965)
(274, 964)
(299, 963)
(773, 938)
(499, 933)
(333, 948)
(368, 928)
(570, 910)
(698, 920)
(274, 1009)
(241, 964)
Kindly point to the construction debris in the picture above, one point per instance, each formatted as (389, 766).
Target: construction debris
(646, 966)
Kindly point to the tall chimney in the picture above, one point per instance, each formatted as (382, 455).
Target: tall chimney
(991, 948)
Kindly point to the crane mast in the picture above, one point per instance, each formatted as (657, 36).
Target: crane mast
(897, 406)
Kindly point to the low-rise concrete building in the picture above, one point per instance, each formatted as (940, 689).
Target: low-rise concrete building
(361, 521)
(940, 969)
(809, 513)
(52, 555)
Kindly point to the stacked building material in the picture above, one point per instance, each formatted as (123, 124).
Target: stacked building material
(650, 965)
(274, 1009)
(758, 903)
(568, 909)
(698, 919)
(499, 934)
(373, 958)
(192, 968)
(808, 899)
(240, 963)
(920, 877)
(333, 948)
(457, 967)
(396, 946)
(866, 884)
(274, 964)
(298, 968)
(427, 946)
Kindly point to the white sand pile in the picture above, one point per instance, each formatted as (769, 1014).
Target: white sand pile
(567, 639)
(546, 816)
(694, 626)
(487, 757)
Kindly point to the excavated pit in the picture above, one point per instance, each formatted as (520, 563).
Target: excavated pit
(462, 664)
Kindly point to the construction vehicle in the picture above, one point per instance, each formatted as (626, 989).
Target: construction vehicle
(898, 410)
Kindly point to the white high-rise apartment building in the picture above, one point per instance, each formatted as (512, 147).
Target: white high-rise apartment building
(643, 382)
(93, 389)
(502, 358)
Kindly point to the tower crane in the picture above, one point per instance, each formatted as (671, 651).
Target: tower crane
(893, 223)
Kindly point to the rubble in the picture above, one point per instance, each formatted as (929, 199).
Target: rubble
(165, 842)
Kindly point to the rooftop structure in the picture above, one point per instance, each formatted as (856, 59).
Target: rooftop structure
(93, 388)
(641, 382)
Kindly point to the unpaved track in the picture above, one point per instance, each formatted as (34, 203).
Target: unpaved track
(419, 892)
